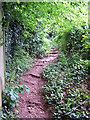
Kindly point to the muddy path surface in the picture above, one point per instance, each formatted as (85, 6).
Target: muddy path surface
(31, 105)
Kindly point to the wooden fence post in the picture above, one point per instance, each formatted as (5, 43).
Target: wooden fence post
(2, 57)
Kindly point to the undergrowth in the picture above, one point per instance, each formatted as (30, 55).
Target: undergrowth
(66, 90)
(15, 68)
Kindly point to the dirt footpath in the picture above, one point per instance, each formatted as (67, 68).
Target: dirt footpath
(31, 105)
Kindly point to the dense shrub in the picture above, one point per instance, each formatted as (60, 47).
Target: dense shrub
(71, 39)
(85, 52)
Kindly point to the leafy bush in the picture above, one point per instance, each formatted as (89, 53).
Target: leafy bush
(71, 39)
(85, 52)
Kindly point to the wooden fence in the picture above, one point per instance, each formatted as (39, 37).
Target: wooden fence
(2, 57)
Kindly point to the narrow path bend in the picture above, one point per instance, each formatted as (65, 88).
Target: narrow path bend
(31, 104)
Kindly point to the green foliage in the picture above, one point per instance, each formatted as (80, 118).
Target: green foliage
(71, 39)
(66, 87)
(31, 31)
(10, 99)
(15, 68)
(72, 26)
(24, 38)
(25, 28)
(86, 48)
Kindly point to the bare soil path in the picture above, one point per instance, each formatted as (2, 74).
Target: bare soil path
(31, 105)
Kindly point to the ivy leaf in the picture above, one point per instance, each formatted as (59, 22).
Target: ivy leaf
(27, 89)
(13, 104)
(87, 96)
(17, 104)
(22, 91)
(13, 98)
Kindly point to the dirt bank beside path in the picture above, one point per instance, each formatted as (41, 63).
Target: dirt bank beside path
(31, 104)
